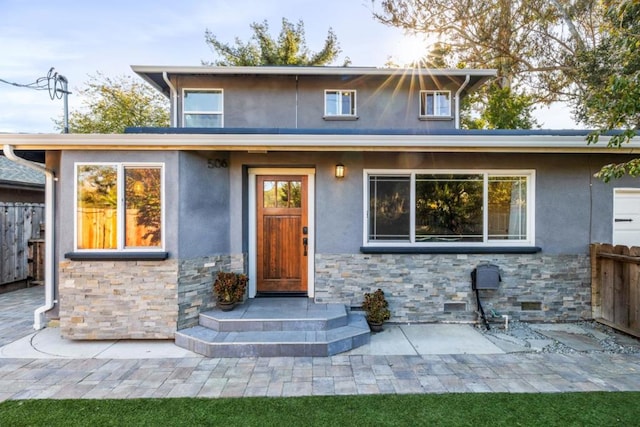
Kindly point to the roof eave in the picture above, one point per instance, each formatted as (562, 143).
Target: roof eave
(318, 143)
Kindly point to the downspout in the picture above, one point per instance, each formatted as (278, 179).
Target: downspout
(49, 288)
(173, 95)
(297, 87)
(457, 99)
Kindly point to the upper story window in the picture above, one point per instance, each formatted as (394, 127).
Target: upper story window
(202, 108)
(340, 103)
(464, 208)
(435, 103)
(119, 206)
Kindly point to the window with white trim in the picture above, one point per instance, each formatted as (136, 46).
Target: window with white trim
(339, 103)
(466, 208)
(119, 206)
(435, 103)
(202, 108)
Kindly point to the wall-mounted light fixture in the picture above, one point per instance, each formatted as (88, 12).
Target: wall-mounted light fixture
(339, 170)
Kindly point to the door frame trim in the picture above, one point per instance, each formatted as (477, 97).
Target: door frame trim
(253, 223)
(616, 191)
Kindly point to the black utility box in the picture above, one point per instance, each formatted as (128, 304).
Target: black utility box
(485, 276)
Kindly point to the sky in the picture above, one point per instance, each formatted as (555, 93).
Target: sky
(80, 38)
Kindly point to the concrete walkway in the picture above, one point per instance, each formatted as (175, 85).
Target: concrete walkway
(401, 359)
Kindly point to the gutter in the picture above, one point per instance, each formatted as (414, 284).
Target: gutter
(457, 99)
(49, 288)
(173, 95)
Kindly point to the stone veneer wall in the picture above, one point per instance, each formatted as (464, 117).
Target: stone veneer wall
(118, 299)
(195, 284)
(418, 286)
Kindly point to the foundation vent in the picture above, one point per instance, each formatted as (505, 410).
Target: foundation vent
(531, 306)
(455, 306)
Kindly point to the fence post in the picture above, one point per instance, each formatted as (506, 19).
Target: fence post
(596, 283)
(634, 291)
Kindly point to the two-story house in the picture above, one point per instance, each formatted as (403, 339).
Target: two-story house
(323, 183)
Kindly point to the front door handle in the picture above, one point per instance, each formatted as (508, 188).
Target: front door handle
(305, 243)
(623, 220)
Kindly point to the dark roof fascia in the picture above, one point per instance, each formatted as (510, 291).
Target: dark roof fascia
(33, 156)
(21, 185)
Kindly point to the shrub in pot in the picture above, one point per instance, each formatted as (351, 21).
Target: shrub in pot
(376, 308)
(229, 288)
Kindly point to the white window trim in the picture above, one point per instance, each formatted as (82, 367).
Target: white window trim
(208, 89)
(531, 179)
(341, 91)
(420, 109)
(119, 207)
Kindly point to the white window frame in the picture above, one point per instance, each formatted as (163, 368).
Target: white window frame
(341, 92)
(120, 179)
(203, 112)
(423, 98)
(486, 173)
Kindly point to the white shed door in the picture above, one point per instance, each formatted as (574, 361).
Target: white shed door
(626, 216)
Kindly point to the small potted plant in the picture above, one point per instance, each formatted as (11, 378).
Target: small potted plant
(229, 289)
(377, 309)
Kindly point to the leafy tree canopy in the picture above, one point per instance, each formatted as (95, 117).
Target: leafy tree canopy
(289, 48)
(113, 104)
(610, 73)
(499, 108)
(532, 43)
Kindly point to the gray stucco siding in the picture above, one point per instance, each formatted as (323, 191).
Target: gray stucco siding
(203, 205)
(572, 208)
(298, 102)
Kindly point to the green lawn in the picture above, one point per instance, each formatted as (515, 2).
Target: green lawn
(495, 409)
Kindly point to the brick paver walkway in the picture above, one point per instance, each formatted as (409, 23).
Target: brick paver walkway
(16, 313)
(297, 376)
(202, 377)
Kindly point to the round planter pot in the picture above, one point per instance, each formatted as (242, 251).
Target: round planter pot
(225, 305)
(375, 327)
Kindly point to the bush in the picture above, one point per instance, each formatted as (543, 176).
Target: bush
(230, 287)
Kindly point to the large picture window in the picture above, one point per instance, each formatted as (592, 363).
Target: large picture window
(202, 108)
(119, 206)
(467, 208)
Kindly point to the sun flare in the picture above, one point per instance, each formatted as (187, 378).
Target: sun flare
(412, 48)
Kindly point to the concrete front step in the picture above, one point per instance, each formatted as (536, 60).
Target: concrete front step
(210, 343)
(268, 317)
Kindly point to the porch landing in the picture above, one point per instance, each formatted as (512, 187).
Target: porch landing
(270, 327)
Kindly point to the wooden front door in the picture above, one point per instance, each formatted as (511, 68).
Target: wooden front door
(282, 233)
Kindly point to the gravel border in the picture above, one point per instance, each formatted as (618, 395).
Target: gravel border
(523, 333)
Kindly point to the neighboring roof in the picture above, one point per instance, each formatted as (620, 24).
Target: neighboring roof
(263, 140)
(13, 174)
(154, 74)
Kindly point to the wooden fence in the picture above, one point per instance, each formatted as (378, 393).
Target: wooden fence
(615, 286)
(19, 223)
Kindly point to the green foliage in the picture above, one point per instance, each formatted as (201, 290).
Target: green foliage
(610, 75)
(532, 43)
(376, 306)
(500, 108)
(230, 287)
(448, 205)
(449, 409)
(289, 48)
(113, 104)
